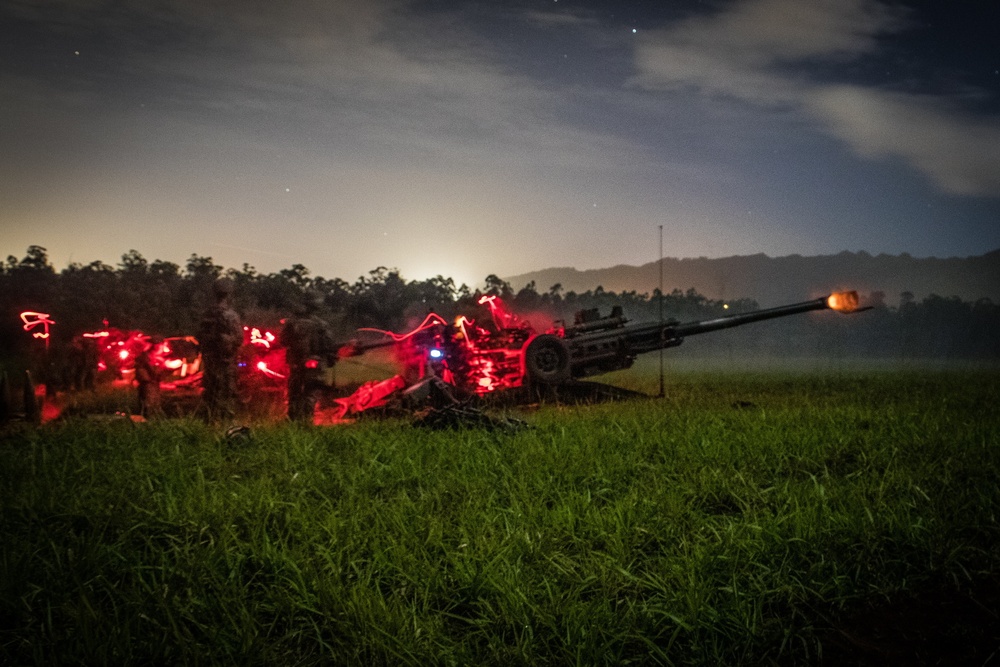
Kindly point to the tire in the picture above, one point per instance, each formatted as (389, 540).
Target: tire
(546, 360)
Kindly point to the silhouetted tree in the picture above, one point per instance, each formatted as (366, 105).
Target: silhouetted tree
(159, 297)
(495, 285)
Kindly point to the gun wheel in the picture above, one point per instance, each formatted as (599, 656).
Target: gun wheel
(546, 360)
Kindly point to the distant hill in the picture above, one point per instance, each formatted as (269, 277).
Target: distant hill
(778, 280)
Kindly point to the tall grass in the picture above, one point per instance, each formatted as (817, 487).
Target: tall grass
(730, 522)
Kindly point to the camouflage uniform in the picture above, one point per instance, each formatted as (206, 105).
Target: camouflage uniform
(220, 336)
(310, 351)
(147, 375)
(83, 357)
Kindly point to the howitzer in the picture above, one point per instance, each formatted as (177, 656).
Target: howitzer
(596, 345)
(479, 359)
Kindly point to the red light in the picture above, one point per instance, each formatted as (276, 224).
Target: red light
(502, 318)
(257, 337)
(262, 367)
(310, 363)
(371, 394)
(38, 318)
(432, 319)
(123, 354)
(477, 359)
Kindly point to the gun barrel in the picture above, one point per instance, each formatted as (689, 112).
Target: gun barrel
(615, 347)
(706, 326)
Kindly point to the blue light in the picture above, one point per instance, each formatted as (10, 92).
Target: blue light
(436, 353)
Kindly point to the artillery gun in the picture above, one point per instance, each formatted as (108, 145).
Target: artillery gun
(479, 359)
(596, 345)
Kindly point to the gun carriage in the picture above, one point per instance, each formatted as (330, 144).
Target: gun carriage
(478, 359)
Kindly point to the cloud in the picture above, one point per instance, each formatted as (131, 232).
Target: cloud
(956, 150)
(762, 52)
(558, 19)
(750, 49)
(369, 80)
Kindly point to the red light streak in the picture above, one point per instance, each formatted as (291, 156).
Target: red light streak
(432, 319)
(118, 350)
(257, 338)
(470, 357)
(262, 367)
(462, 322)
(39, 318)
(371, 394)
(502, 318)
(261, 352)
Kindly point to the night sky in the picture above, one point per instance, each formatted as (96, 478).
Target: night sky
(470, 138)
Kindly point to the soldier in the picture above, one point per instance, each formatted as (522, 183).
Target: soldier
(82, 359)
(310, 351)
(220, 336)
(147, 375)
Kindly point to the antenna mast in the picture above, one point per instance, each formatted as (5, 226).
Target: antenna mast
(662, 392)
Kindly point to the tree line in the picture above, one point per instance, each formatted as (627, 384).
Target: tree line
(161, 297)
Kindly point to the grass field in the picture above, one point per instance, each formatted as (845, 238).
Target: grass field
(786, 517)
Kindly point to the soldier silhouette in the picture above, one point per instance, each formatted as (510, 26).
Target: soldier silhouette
(147, 376)
(309, 351)
(220, 336)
